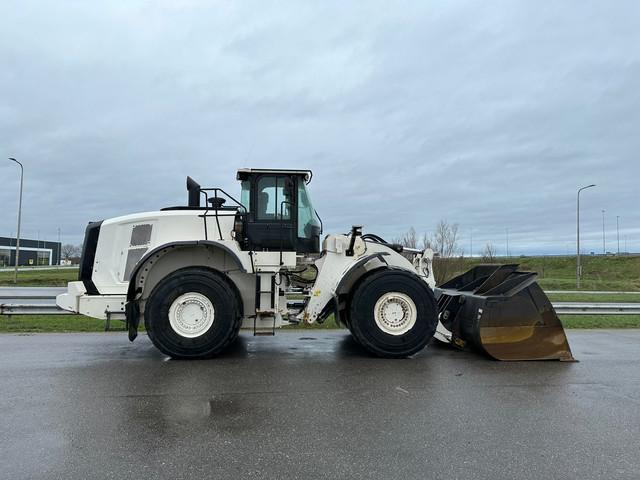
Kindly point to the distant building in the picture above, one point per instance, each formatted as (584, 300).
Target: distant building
(32, 252)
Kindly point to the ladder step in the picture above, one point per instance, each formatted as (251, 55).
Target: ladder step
(266, 333)
(264, 330)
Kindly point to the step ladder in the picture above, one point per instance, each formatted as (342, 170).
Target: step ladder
(259, 327)
(264, 321)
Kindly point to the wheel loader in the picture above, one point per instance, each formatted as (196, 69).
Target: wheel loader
(196, 274)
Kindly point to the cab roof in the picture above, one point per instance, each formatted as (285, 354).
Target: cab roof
(243, 173)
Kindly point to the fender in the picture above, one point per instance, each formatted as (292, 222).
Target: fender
(360, 268)
(352, 277)
(355, 271)
(132, 309)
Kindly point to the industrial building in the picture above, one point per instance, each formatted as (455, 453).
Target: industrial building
(32, 252)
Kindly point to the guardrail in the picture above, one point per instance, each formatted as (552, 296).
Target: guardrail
(42, 301)
(37, 301)
(30, 301)
(581, 308)
(30, 309)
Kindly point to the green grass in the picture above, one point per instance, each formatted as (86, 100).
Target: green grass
(600, 321)
(328, 324)
(592, 297)
(51, 323)
(599, 273)
(559, 273)
(589, 284)
(40, 278)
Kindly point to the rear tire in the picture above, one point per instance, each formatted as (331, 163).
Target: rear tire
(192, 313)
(393, 314)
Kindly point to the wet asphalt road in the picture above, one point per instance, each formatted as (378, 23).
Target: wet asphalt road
(313, 405)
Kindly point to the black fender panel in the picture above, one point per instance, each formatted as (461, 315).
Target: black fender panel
(361, 267)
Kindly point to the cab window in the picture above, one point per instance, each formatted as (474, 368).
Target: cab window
(245, 194)
(307, 219)
(273, 199)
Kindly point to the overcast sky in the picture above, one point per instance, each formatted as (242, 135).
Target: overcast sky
(486, 114)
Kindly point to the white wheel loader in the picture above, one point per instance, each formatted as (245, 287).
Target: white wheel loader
(196, 274)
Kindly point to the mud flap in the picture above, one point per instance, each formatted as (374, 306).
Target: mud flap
(502, 312)
(132, 314)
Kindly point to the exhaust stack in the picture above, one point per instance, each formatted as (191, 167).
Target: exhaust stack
(193, 188)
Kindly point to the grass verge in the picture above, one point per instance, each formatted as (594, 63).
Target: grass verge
(50, 323)
(40, 278)
(600, 321)
(595, 298)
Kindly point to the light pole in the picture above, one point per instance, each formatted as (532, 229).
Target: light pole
(579, 267)
(604, 247)
(15, 273)
(618, 232)
(507, 230)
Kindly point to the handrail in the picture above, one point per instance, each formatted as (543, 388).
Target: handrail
(321, 226)
(215, 208)
(282, 222)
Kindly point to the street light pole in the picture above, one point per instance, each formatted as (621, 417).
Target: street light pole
(15, 273)
(604, 245)
(579, 267)
(507, 230)
(618, 232)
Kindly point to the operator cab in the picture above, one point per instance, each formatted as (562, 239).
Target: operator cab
(279, 216)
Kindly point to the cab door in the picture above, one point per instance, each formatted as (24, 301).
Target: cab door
(272, 215)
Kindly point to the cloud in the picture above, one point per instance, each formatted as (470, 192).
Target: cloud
(490, 116)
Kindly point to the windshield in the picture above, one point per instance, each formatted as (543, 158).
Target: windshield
(307, 218)
(245, 194)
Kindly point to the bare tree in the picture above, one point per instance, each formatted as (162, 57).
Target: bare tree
(70, 251)
(448, 260)
(409, 239)
(489, 253)
(444, 241)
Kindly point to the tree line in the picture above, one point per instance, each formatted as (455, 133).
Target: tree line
(448, 254)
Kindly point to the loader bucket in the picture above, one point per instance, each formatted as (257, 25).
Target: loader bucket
(503, 313)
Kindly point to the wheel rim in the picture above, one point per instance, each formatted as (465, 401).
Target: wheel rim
(191, 314)
(395, 313)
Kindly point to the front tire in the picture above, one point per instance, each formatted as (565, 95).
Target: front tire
(192, 313)
(393, 314)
